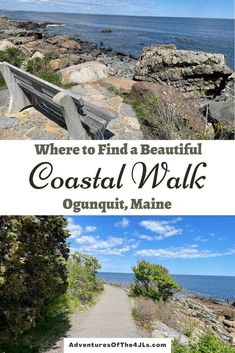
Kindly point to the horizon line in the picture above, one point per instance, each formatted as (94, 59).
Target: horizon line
(103, 14)
(173, 274)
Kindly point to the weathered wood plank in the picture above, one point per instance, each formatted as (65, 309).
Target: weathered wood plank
(41, 94)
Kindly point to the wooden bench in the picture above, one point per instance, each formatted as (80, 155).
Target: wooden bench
(83, 120)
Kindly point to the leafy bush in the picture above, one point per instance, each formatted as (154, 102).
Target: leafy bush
(206, 344)
(13, 56)
(37, 338)
(153, 281)
(82, 277)
(40, 67)
(33, 274)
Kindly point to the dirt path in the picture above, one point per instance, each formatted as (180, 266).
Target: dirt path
(110, 317)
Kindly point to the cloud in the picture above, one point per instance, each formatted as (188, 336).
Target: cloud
(190, 252)
(146, 237)
(90, 229)
(200, 239)
(76, 230)
(165, 229)
(111, 246)
(124, 223)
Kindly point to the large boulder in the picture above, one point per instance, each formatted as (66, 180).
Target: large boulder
(87, 72)
(199, 73)
(6, 44)
(165, 113)
(222, 117)
(118, 84)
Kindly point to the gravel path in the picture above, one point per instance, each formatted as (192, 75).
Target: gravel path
(110, 317)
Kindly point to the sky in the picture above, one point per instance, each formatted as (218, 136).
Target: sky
(172, 8)
(198, 245)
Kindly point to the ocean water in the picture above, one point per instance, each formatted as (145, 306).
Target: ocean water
(131, 34)
(219, 287)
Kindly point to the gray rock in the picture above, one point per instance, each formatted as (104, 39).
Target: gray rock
(221, 115)
(7, 123)
(131, 135)
(196, 72)
(42, 135)
(228, 93)
(163, 330)
(127, 110)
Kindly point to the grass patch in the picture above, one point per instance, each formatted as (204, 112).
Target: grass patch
(50, 76)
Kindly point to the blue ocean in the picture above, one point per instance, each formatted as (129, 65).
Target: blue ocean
(219, 287)
(131, 33)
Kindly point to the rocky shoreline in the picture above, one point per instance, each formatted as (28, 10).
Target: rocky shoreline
(198, 315)
(194, 91)
(208, 315)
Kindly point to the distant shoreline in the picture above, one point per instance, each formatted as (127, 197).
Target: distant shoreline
(174, 274)
(194, 285)
(144, 31)
(104, 14)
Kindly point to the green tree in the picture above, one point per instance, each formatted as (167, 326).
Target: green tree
(82, 277)
(33, 269)
(153, 281)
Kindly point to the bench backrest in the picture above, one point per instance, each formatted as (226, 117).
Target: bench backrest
(40, 93)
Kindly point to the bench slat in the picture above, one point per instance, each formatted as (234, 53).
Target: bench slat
(97, 118)
(89, 107)
(88, 121)
(50, 91)
(41, 94)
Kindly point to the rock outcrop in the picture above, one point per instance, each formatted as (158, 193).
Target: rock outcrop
(20, 32)
(165, 113)
(221, 112)
(198, 73)
(208, 315)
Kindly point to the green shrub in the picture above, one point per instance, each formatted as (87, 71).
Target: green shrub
(40, 67)
(37, 65)
(38, 338)
(33, 274)
(153, 281)
(82, 277)
(13, 56)
(206, 344)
